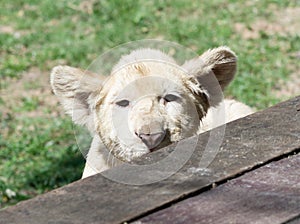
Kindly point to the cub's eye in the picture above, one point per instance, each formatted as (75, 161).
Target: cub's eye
(123, 103)
(170, 97)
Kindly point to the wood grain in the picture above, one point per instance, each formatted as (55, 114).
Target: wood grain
(268, 195)
(248, 143)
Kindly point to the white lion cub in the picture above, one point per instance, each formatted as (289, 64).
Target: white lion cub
(148, 102)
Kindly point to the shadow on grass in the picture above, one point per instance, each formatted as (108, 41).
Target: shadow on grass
(43, 176)
(63, 170)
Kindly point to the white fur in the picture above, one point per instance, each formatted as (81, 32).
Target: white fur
(233, 111)
(144, 78)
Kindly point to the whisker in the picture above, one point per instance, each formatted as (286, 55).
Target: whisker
(109, 156)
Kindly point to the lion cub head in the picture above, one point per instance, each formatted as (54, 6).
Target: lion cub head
(148, 101)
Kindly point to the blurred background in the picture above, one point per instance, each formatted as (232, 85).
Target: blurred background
(38, 151)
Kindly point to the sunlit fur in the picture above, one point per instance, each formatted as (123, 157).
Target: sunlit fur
(144, 78)
(145, 84)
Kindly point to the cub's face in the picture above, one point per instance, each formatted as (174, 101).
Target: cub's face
(145, 104)
(157, 103)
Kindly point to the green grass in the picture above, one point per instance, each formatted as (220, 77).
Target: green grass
(38, 153)
(32, 163)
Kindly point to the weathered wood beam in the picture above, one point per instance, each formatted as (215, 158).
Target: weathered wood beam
(248, 143)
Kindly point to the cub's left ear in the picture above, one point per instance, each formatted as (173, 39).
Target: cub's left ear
(214, 70)
(76, 89)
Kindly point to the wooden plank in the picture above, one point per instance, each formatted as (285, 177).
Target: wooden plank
(295, 220)
(248, 143)
(268, 195)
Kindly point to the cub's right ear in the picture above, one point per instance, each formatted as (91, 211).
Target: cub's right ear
(76, 90)
(214, 70)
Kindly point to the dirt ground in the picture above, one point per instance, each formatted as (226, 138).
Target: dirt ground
(287, 22)
(35, 85)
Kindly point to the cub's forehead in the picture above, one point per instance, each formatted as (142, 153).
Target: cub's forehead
(147, 86)
(145, 78)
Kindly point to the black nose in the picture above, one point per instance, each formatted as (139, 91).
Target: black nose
(152, 140)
